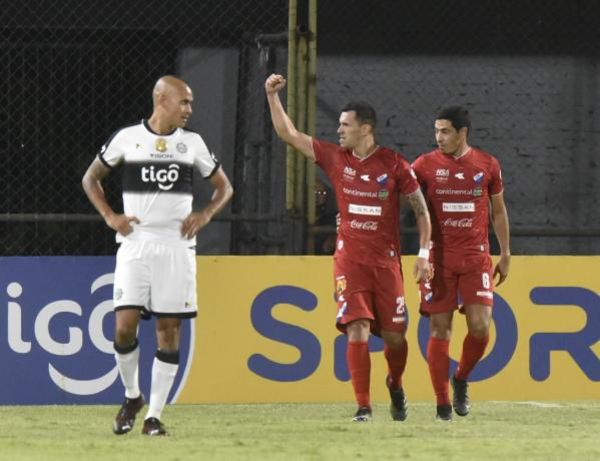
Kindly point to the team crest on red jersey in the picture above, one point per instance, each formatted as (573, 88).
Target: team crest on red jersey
(383, 179)
(340, 285)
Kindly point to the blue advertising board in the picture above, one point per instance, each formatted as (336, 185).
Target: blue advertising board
(57, 332)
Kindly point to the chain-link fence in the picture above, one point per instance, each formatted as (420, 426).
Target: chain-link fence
(528, 72)
(74, 72)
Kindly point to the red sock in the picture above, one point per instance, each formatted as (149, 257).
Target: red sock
(438, 358)
(359, 364)
(396, 359)
(473, 349)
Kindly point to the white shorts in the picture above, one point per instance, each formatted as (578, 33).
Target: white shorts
(157, 277)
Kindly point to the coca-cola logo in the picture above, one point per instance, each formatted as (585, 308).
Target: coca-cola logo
(464, 222)
(364, 225)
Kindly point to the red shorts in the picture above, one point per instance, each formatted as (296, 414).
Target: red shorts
(369, 292)
(458, 280)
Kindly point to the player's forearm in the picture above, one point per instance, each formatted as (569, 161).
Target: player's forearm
(95, 193)
(419, 206)
(283, 125)
(221, 196)
(424, 228)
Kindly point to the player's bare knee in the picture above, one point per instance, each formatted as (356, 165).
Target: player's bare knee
(395, 340)
(169, 343)
(126, 323)
(125, 339)
(168, 339)
(440, 327)
(125, 335)
(479, 323)
(479, 330)
(358, 330)
(441, 333)
(167, 334)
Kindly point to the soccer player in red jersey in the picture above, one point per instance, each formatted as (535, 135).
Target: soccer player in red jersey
(460, 182)
(368, 180)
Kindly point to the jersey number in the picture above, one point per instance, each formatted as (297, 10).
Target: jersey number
(485, 278)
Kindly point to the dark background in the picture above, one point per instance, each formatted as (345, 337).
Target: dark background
(73, 72)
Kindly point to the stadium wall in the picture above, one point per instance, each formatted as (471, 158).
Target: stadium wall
(265, 333)
(536, 114)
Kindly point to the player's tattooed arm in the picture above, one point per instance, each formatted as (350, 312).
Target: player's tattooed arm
(97, 170)
(418, 204)
(423, 269)
(92, 186)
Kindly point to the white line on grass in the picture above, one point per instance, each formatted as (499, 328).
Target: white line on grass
(532, 403)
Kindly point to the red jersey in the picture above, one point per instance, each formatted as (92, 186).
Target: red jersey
(367, 193)
(458, 192)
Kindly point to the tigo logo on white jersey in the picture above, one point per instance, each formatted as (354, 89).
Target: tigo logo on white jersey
(468, 207)
(364, 210)
(164, 177)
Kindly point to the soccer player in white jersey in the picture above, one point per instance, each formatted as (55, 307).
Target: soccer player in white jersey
(156, 261)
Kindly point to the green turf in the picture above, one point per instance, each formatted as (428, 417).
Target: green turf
(494, 431)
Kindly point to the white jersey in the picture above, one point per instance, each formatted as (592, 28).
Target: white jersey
(157, 178)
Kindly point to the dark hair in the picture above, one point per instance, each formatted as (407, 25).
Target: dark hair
(364, 112)
(458, 116)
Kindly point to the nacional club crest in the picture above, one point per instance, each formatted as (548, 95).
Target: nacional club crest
(340, 285)
(383, 179)
(161, 145)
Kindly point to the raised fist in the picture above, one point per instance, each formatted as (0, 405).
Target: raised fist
(274, 83)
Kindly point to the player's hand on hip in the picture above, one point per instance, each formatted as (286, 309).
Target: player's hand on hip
(194, 223)
(274, 83)
(423, 270)
(121, 223)
(502, 268)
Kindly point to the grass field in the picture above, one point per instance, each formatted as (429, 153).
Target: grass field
(493, 431)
